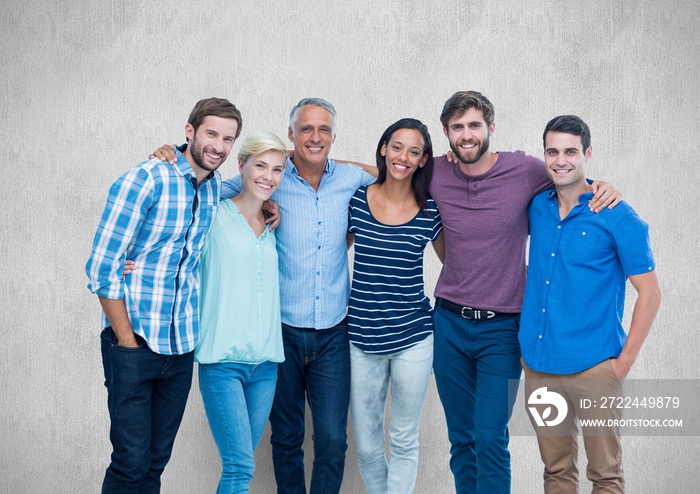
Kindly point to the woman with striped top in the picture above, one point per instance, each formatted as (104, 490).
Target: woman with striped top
(389, 316)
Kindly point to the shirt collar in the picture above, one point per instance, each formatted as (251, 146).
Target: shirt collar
(582, 199)
(185, 169)
(585, 198)
(330, 167)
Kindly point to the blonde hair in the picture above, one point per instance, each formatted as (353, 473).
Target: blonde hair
(259, 142)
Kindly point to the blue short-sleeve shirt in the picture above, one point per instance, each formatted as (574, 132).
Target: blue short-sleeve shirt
(575, 292)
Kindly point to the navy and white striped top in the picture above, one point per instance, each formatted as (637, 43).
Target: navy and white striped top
(388, 309)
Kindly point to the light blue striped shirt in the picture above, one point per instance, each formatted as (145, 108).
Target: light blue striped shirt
(240, 294)
(313, 260)
(156, 216)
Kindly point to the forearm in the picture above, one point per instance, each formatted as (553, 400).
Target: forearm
(372, 170)
(118, 318)
(645, 310)
(439, 246)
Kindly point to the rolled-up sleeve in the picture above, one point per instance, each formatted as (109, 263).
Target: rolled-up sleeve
(128, 202)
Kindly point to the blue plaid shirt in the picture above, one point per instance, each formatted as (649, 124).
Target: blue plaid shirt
(156, 216)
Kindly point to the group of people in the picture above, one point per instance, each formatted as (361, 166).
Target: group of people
(273, 320)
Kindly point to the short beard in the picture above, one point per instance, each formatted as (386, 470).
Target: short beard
(196, 151)
(482, 150)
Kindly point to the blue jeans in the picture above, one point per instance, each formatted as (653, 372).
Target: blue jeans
(316, 367)
(409, 372)
(237, 398)
(474, 363)
(147, 394)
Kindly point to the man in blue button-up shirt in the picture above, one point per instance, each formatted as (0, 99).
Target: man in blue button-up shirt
(314, 290)
(571, 335)
(156, 215)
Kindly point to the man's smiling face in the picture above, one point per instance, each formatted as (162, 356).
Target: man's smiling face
(469, 134)
(312, 135)
(565, 158)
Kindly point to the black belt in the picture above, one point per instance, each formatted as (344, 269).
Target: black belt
(468, 312)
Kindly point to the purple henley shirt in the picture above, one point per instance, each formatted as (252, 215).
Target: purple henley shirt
(486, 228)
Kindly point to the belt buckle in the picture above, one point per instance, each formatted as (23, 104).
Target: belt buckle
(467, 315)
(476, 313)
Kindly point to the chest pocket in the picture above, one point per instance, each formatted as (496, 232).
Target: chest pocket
(580, 245)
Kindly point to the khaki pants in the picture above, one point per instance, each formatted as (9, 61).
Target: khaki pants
(559, 443)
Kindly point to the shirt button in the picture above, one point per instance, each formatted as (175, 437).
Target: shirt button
(583, 233)
(318, 273)
(546, 282)
(544, 310)
(552, 254)
(317, 298)
(540, 337)
(319, 222)
(558, 227)
(319, 247)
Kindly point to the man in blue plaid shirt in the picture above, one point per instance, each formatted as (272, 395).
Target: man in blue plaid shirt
(156, 215)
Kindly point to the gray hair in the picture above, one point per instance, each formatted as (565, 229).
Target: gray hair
(316, 102)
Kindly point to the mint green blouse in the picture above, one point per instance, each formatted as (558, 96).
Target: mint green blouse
(239, 299)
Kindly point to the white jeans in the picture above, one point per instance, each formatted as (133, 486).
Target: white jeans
(408, 371)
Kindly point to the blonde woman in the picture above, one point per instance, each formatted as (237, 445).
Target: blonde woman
(240, 341)
(241, 333)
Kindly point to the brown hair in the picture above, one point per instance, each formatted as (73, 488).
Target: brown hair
(568, 124)
(217, 107)
(462, 101)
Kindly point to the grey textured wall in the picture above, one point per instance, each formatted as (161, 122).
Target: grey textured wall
(89, 88)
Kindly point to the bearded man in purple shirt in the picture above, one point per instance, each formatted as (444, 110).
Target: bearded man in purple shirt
(483, 198)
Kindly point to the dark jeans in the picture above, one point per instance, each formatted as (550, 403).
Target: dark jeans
(316, 367)
(147, 394)
(477, 365)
